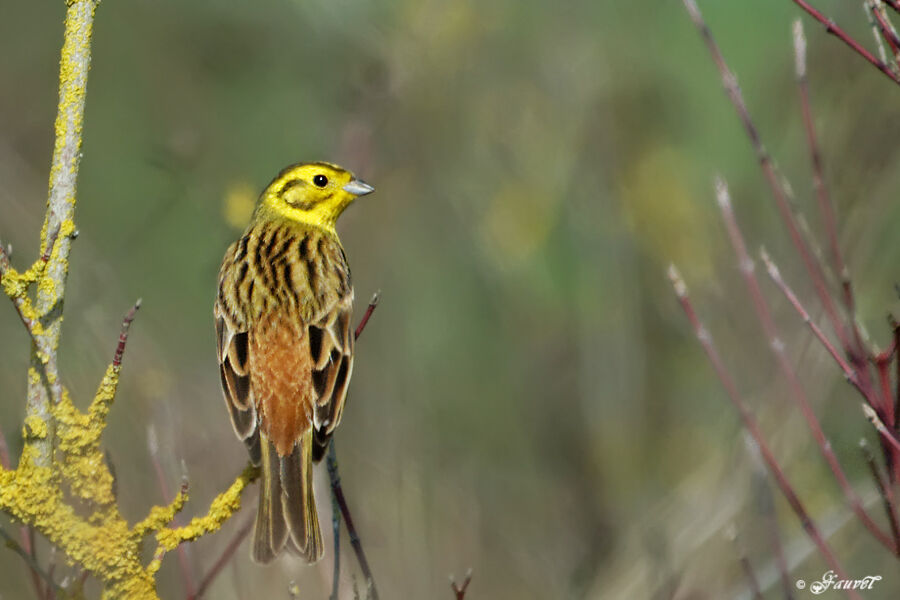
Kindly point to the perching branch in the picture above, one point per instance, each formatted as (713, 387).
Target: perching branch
(339, 503)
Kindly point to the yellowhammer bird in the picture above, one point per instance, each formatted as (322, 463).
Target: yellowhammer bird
(285, 345)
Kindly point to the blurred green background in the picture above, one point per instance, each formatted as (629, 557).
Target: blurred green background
(528, 399)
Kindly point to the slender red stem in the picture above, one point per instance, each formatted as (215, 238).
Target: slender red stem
(826, 207)
(797, 392)
(752, 581)
(886, 435)
(123, 335)
(812, 266)
(883, 368)
(750, 424)
(884, 489)
(886, 33)
(833, 29)
(775, 276)
(369, 310)
(338, 492)
(896, 329)
(460, 589)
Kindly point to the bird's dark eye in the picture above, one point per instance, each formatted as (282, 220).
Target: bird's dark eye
(320, 180)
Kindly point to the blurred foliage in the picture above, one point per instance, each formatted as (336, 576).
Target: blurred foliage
(527, 399)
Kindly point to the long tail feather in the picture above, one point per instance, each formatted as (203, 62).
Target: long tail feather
(287, 508)
(271, 532)
(299, 502)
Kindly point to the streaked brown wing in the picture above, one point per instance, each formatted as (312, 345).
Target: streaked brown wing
(331, 349)
(232, 344)
(234, 369)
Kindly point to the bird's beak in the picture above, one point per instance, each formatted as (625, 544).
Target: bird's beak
(358, 187)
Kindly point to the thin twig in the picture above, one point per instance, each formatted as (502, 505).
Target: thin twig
(338, 505)
(775, 276)
(876, 34)
(750, 424)
(887, 32)
(338, 492)
(336, 531)
(369, 310)
(798, 393)
(882, 362)
(884, 489)
(765, 502)
(826, 207)
(813, 268)
(13, 545)
(833, 29)
(223, 559)
(895, 326)
(749, 573)
(876, 421)
(123, 335)
(460, 590)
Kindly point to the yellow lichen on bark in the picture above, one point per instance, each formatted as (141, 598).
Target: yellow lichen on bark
(95, 535)
(63, 487)
(220, 510)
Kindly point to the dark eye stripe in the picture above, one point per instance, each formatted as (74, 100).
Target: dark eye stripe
(289, 184)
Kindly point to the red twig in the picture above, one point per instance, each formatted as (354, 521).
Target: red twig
(798, 394)
(775, 276)
(123, 335)
(883, 368)
(750, 424)
(339, 503)
(896, 330)
(338, 492)
(884, 489)
(813, 268)
(460, 590)
(886, 32)
(826, 208)
(777, 546)
(876, 421)
(833, 29)
(223, 559)
(369, 310)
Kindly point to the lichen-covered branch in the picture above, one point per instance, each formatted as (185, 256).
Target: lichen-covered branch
(63, 486)
(97, 537)
(75, 61)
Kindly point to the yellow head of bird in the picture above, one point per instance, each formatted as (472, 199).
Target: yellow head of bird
(312, 193)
